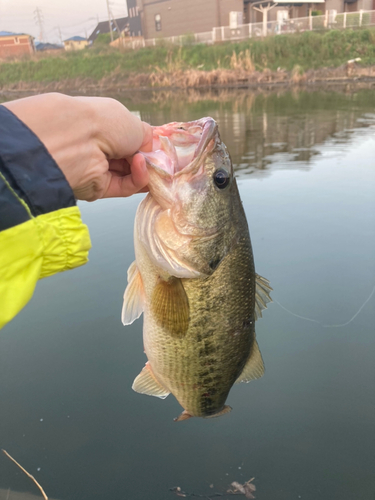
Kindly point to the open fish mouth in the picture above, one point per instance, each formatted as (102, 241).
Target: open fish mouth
(178, 147)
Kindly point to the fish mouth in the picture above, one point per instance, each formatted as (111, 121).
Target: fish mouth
(178, 147)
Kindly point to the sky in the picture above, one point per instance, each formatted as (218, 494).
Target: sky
(73, 17)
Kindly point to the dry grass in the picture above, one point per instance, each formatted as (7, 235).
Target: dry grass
(242, 61)
(195, 78)
(297, 75)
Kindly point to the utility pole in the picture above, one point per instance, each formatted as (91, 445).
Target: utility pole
(121, 41)
(109, 21)
(60, 36)
(38, 17)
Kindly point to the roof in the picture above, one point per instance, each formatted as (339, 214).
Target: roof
(103, 27)
(9, 33)
(47, 46)
(75, 39)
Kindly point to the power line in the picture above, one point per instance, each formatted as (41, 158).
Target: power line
(60, 36)
(82, 22)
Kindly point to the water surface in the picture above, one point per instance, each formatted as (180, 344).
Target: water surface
(306, 168)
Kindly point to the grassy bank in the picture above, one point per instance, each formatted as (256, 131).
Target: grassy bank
(305, 51)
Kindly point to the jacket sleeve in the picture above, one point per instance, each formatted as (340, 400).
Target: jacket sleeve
(41, 232)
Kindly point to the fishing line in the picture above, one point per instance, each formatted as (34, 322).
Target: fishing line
(294, 314)
(321, 324)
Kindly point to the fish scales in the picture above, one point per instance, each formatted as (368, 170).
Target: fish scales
(194, 276)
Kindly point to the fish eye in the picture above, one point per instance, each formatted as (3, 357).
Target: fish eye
(221, 178)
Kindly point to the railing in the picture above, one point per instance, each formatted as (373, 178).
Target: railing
(330, 20)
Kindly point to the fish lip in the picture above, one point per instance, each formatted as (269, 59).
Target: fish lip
(209, 132)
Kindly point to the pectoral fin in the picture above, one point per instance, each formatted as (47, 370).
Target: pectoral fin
(133, 297)
(170, 306)
(146, 383)
(254, 367)
(262, 295)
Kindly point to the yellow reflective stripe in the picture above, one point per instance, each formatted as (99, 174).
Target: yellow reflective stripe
(42, 246)
(23, 203)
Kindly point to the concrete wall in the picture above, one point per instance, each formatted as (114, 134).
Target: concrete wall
(366, 4)
(334, 5)
(227, 6)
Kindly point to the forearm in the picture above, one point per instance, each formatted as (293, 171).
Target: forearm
(41, 232)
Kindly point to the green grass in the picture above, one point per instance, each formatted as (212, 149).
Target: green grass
(309, 50)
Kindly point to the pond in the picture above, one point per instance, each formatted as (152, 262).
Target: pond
(305, 162)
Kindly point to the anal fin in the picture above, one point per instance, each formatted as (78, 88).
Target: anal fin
(254, 367)
(146, 383)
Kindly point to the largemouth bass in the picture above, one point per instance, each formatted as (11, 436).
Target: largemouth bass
(193, 276)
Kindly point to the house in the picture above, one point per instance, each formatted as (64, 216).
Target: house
(135, 23)
(165, 18)
(75, 43)
(120, 25)
(47, 47)
(15, 44)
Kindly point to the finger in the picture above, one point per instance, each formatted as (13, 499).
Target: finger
(146, 145)
(122, 166)
(117, 131)
(135, 182)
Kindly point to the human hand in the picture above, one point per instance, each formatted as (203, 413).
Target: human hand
(94, 140)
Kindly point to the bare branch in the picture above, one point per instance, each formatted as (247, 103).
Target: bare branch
(27, 474)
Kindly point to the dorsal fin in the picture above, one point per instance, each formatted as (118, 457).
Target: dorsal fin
(262, 295)
(146, 383)
(132, 307)
(170, 306)
(254, 367)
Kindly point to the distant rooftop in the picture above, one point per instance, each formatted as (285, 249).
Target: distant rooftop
(103, 27)
(48, 46)
(9, 33)
(75, 39)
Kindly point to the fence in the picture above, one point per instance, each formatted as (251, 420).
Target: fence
(331, 20)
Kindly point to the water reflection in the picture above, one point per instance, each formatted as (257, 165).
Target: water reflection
(264, 131)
